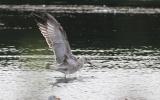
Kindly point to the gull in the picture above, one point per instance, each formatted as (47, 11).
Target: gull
(56, 39)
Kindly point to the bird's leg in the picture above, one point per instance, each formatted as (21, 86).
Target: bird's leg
(77, 75)
(65, 78)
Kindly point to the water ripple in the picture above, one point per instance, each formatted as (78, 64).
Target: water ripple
(81, 9)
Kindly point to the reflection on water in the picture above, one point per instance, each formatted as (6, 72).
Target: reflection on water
(124, 48)
(81, 9)
(120, 74)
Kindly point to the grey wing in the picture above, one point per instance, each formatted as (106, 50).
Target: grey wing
(55, 36)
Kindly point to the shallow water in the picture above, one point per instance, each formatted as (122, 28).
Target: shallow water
(120, 74)
(123, 47)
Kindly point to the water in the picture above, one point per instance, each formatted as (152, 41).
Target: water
(123, 47)
(119, 74)
(81, 9)
(142, 3)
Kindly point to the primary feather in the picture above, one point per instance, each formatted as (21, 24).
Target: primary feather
(55, 36)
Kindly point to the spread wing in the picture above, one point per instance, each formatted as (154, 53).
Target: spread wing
(55, 36)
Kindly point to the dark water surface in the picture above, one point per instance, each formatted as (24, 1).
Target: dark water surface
(142, 3)
(123, 47)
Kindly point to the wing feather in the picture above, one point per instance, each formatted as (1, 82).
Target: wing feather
(55, 36)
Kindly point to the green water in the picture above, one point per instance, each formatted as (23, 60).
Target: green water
(84, 30)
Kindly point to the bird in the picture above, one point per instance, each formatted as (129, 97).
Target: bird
(57, 40)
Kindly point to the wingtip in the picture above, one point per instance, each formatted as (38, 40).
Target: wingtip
(42, 17)
(39, 17)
